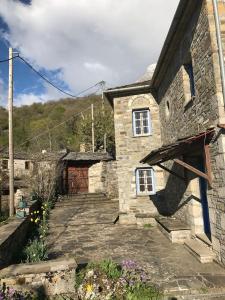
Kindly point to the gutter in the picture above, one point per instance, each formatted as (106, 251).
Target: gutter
(127, 89)
(220, 47)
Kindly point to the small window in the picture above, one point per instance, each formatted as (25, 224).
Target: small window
(145, 181)
(141, 122)
(167, 108)
(27, 165)
(189, 83)
(5, 164)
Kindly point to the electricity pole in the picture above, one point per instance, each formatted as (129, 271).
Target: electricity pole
(11, 154)
(92, 128)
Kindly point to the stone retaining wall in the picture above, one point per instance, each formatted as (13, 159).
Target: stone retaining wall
(53, 277)
(13, 235)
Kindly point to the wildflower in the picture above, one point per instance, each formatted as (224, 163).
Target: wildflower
(32, 220)
(89, 288)
(31, 214)
(37, 211)
(34, 254)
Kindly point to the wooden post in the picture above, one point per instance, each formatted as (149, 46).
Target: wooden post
(105, 144)
(93, 128)
(11, 151)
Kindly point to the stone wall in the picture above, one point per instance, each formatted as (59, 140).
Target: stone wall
(13, 235)
(20, 169)
(47, 278)
(186, 118)
(102, 178)
(129, 151)
(111, 180)
(95, 178)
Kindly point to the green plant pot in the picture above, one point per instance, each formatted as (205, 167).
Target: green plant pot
(21, 214)
(22, 204)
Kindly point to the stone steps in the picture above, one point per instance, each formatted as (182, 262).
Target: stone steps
(175, 230)
(86, 203)
(199, 250)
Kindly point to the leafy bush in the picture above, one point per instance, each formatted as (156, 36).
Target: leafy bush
(108, 267)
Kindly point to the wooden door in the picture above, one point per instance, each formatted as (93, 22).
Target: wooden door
(77, 179)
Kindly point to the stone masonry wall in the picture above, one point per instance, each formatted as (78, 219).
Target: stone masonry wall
(111, 180)
(130, 150)
(103, 178)
(185, 119)
(95, 179)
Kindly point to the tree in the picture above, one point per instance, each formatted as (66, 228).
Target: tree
(103, 126)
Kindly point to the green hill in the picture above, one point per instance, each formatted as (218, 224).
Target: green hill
(57, 124)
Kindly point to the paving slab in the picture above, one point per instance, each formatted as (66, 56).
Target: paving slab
(169, 265)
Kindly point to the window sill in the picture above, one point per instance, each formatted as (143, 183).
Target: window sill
(147, 194)
(142, 135)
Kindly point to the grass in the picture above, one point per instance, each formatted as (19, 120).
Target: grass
(148, 226)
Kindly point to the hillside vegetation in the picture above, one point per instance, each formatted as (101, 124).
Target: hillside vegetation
(58, 124)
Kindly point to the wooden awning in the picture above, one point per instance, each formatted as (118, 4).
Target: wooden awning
(184, 147)
(181, 147)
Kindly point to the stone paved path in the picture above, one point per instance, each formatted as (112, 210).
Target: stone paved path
(86, 229)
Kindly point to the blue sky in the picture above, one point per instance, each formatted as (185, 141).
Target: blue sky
(111, 40)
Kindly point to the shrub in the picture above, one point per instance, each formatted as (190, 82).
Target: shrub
(108, 280)
(36, 251)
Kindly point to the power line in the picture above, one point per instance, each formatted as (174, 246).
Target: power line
(8, 59)
(55, 86)
(54, 127)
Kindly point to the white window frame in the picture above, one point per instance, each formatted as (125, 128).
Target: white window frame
(141, 111)
(146, 192)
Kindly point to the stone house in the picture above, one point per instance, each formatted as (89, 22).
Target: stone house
(137, 129)
(187, 86)
(87, 172)
(169, 133)
(22, 164)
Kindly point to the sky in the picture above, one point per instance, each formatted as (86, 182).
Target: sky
(77, 43)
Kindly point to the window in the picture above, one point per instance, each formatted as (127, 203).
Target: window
(27, 165)
(189, 83)
(145, 181)
(5, 164)
(167, 108)
(141, 122)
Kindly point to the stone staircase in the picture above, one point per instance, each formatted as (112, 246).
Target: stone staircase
(200, 247)
(85, 209)
(175, 230)
(179, 233)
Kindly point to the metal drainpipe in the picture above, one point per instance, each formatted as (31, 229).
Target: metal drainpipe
(220, 47)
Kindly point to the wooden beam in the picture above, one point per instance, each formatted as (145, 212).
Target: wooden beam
(171, 172)
(192, 169)
(208, 164)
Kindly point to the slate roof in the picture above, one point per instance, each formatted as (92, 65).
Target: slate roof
(88, 156)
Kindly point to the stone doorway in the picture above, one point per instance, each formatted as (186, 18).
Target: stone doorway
(77, 181)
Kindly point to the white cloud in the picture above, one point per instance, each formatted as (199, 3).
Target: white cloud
(90, 40)
(3, 93)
